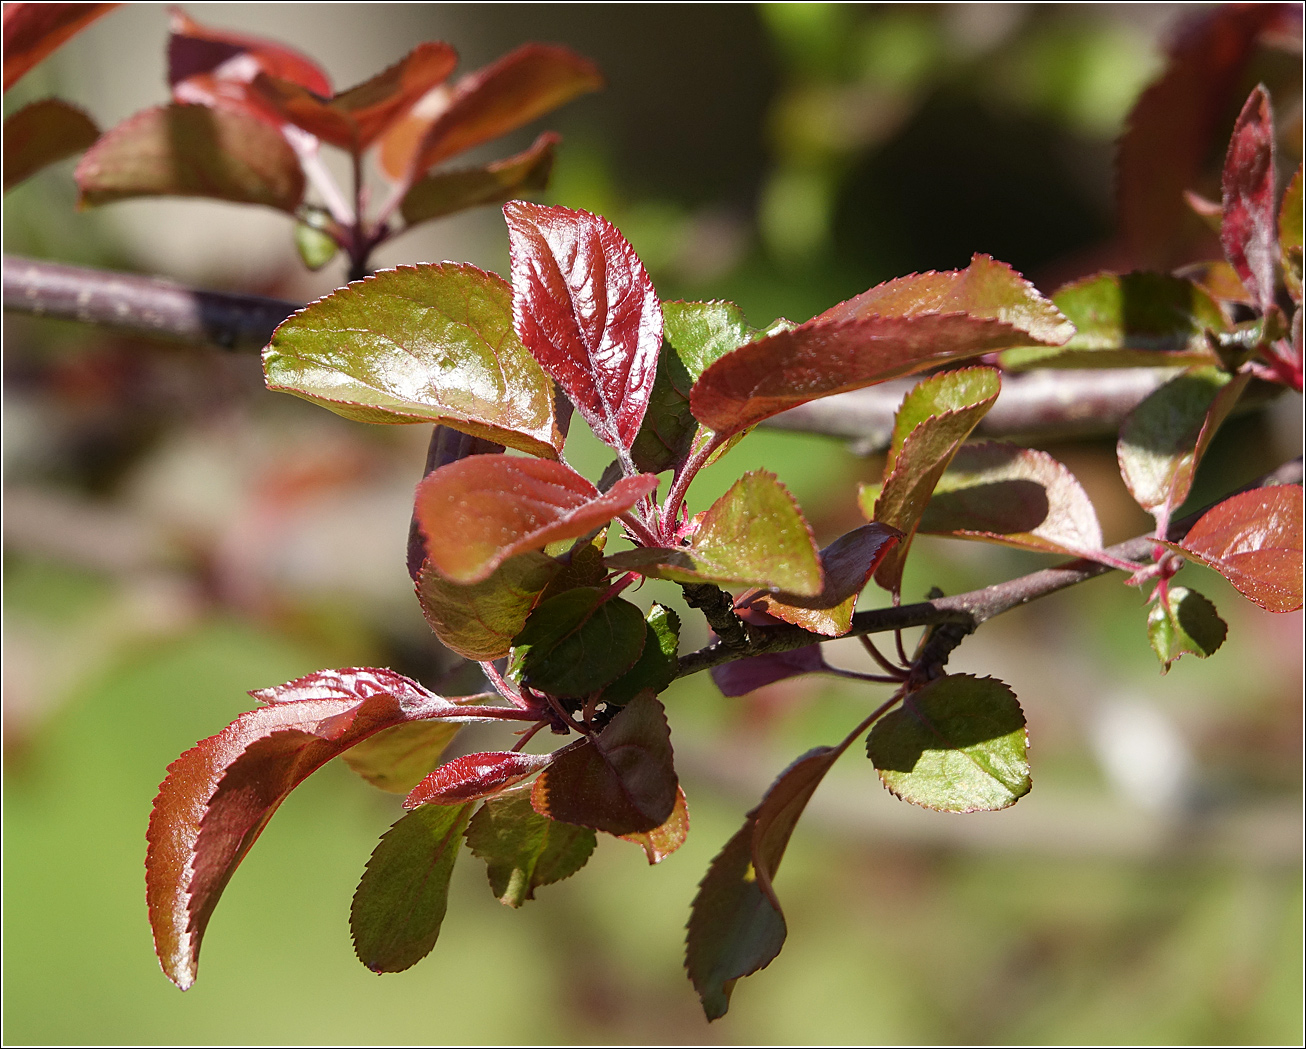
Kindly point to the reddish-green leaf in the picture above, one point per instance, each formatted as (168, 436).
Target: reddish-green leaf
(419, 344)
(523, 85)
(1254, 540)
(33, 31)
(577, 643)
(42, 134)
(446, 192)
(479, 621)
(622, 781)
(661, 842)
(742, 676)
(480, 511)
(192, 151)
(584, 306)
(1021, 497)
(957, 745)
(1290, 236)
(1184, 622)
(471, 777)
(1249, 228)
(220, 794)
(400, 902)
(523, 850)
(397, 759)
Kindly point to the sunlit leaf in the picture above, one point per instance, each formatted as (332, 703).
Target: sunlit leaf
(1249, 229)
(1185, 622)
(742, 676)
(656, 667)
(575, 643)
(479, 621)
(470, 777)
(42, 134)
(661, 842)
(446, 192)
(1290, 236)
(33, 31)
(523, 850)
(397, 759)
(314, 243)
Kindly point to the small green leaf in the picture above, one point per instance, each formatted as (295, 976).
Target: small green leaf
(401, 899)
(656, 667)
(1185, 622)
(479, 621)
(956, 745)
(573, 645)
(523, 850)
(397, 759)
(315, 245)
(446, 192)
(1290, 235)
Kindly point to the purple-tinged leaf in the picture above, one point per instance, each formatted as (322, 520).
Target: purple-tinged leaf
(480, 620)
(33, 31)
(957, 745)
(577, 643)
(661, 842)
(622, 782)
(401, 900)
(586, 309)
(480, 511)
(419, 344)
(446, 192)
(42, 134)
(523, 850)
(1248, 231)
(397, 759)
(1290, 236)
(742, 676)
(1185, 622)
(471, 777)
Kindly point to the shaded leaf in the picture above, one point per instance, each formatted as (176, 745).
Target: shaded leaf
(419, 344)
(42, 134)
(1249, 228)
(621, 782)
(742, 676)
(478, 512)
(661, 842)
(397, 759)
(1184, 622)
(656, 667)
(573, 645)
(956, 745)
(480, 620)
(33, 31)
(446, 192)
(585, 308)
(400, 902)
(470, 777)
(1218, 279)
(1290, 236)
(523, 850)
(192, 151)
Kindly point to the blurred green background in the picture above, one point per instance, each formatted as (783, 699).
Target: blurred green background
(175, 536)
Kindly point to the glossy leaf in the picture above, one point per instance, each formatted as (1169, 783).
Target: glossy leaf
(575, 643)
(586, 309)
(220, 794)
(397, 759)
(846, 567)
(470, 777)
(1290, 236)
(1164, 438)
(621, 782)
(34, 31)
(1020, 497)
(956, 745)
(446, 192)
(192, 151)
(523, 850)
(42, 134)
(480, 511)
(446, 446)
(742, 676)
(1249, 228)
(401, 900)
(480, 620)
(419, 344)
(661, 842)
(1126, 320)
(656, 667)
(1254, 540)
(736, 926)
(1185, 622)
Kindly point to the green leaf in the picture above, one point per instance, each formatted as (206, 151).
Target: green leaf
(1184, 622)
(1127, 320)
(573, 645)
(656, 667)
(661, 842)
(401, 899)
(935, 418)
(1290, 235)
(580, 561)
(315, 245)
(446, 192)
(523, 850)
(419, 344)
(480, 620)
(397, 759)
(41, 134)
(956, 745)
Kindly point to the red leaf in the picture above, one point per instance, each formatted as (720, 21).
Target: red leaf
(1248, 230)
(33, 31)
(43, 133)
(220, 794)
(474, 776)
(584, 306)
(479, 511)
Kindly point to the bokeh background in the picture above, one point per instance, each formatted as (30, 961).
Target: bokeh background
(175, 535)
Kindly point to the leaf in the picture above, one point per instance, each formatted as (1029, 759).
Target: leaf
(576, 643)
(1249, 227)
(446, 445)
(1164, 438)
(220, 794)
(479, 621)
(1218, 279)
(736, 926)
(1126, 320)
(192, 151)
(41, 134)
(656, 667)
(314, 242)
(522, 85)
(34, 31)
(1254, 540)
(956, 745)
(1016, 496)
(471, 777)
(397, 759)
(446, 192)
(581, 562)
(523, 850)
(622, 782)
(846, 567)
(742, 676)
(1184, 622)
(935, 418)
(419, 344)
(478, 512)
(586, 309)
(661, 842)
(896, 328)
(1290, 236)
(401, 900)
